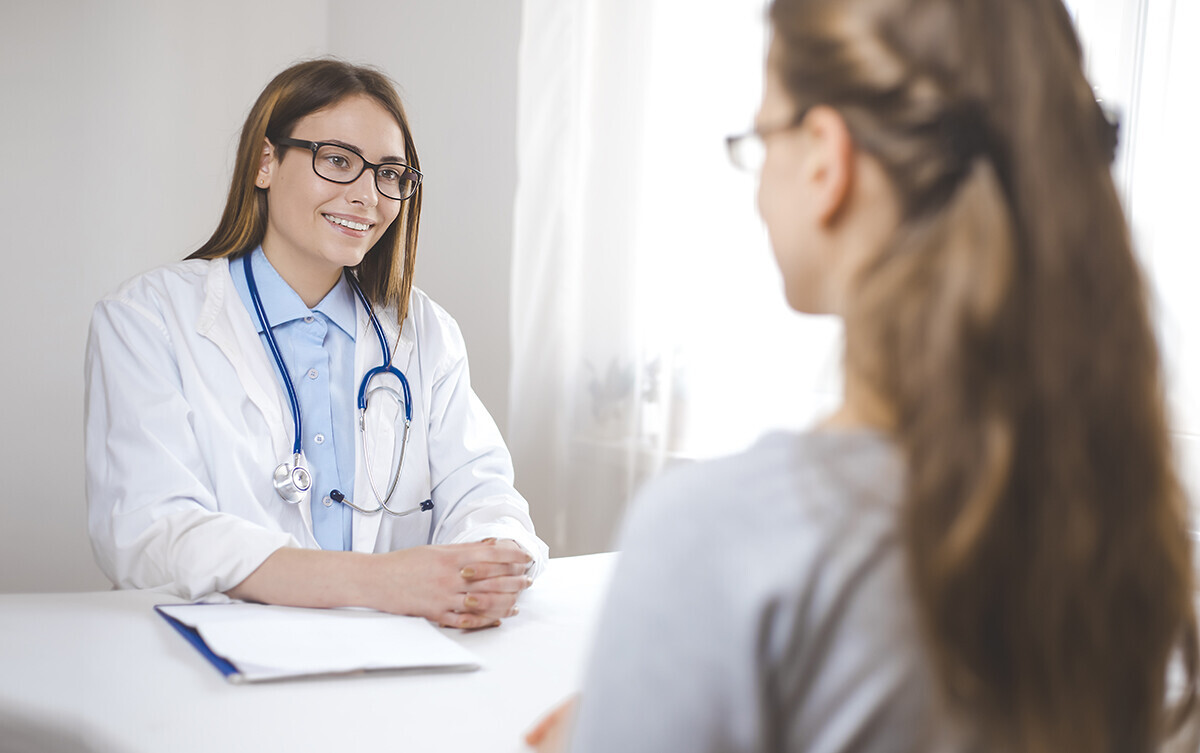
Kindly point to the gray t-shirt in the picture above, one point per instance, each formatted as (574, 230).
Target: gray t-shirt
(761, 604)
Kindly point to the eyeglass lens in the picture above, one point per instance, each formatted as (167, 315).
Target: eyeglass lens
(341, 165)
(747, 152)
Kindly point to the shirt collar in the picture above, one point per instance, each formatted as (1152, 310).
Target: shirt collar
(283, 305)
(338, 305)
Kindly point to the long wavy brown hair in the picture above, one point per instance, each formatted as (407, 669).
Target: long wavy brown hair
(1007, 325)
(386, 272)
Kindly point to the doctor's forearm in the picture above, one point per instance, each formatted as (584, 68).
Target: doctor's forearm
(457, 585)
(309, 578)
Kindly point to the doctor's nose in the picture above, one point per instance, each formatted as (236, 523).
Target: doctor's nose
(364, 191)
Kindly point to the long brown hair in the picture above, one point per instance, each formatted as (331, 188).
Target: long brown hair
(386, 272)
(1007, 325)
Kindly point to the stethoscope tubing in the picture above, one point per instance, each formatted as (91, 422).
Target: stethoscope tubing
(387, 366)
(274, 348)
(291, 479)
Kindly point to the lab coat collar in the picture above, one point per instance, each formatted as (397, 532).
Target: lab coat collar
(401, 346)
(225, 321)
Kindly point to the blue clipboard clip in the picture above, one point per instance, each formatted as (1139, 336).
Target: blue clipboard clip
(192, 635)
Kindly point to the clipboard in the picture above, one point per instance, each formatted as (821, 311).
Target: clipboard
(250, 643)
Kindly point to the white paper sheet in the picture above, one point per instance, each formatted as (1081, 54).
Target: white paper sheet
(271, 642)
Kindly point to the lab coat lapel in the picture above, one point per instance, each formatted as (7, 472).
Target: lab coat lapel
(225, 321)
(367, 356)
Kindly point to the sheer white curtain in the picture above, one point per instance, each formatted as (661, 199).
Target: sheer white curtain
(1164, 201)
(1144, 58)
(648, 319)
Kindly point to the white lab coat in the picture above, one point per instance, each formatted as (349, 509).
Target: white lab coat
(187, 420)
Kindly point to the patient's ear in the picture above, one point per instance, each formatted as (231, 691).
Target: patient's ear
(828, 162)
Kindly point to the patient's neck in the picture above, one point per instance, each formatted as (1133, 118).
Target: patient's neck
(862, 408)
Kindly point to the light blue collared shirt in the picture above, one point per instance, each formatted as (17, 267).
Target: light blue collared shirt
(320, 359)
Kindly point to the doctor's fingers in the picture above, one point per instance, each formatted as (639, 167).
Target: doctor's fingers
(504, 551)
(467, 621)
(480, 611)
(506, 584)
(479, 571)
(495, 605)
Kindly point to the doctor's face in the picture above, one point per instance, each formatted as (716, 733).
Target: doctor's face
(315, 226)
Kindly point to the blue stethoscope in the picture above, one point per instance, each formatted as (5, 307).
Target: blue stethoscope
(292, 479)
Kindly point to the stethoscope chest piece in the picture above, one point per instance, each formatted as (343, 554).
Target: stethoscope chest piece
(292, 479)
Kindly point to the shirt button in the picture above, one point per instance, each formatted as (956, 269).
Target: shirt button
(308, 320)
(312, 373)
(319, 439)
(327, 502)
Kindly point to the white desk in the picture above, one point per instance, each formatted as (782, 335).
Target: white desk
(102, 672)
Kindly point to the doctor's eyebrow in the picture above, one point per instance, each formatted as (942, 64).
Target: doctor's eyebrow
(382, 160)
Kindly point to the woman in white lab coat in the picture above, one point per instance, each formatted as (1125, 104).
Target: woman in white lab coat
(201, 375)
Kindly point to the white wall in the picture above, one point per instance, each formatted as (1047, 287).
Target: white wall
(456, 63)
(120, 122)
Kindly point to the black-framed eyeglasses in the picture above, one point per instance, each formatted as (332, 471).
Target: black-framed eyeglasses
(747, 150)
(341, 164)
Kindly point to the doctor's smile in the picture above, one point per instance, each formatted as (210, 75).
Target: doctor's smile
(355, 227)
